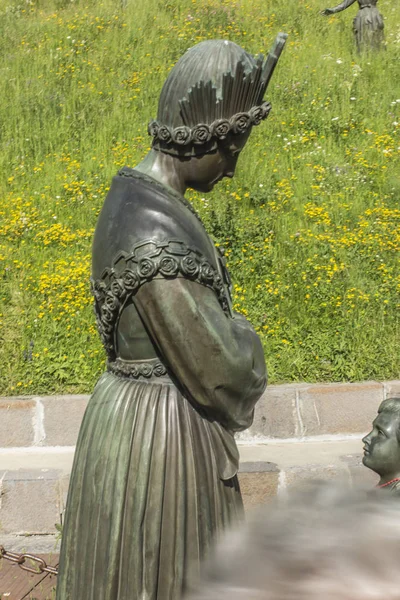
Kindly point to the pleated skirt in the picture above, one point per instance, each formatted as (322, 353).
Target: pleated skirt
(146, 498)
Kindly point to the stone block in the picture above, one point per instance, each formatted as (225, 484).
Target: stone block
(62, 419)
(339, 408)
(34, 544)
(300, 476)
(261, 466)
(257, 488)
(275, 414)
(392, 389)
(16, 422)
(29, 501)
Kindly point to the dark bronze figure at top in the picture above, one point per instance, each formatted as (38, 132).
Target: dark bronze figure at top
(382, 445)
(367, 25)
(155, 471)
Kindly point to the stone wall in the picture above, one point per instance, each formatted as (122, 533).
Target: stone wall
(284, 411)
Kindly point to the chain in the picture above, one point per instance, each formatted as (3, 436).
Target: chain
(20, 559)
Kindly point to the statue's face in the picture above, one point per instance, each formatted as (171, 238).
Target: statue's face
(381, 446)
(204, 172)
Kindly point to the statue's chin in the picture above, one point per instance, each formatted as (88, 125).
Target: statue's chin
(366, 461)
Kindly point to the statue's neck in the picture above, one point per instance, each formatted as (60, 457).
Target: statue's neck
(163, 168)
(386, 479)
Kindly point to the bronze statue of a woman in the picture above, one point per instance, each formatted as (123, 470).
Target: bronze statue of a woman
(155, 472)
(367, 25)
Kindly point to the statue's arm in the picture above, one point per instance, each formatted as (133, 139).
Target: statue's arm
(342, 6)
(217, 360)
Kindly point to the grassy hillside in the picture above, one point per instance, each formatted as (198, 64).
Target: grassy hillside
(310, 223)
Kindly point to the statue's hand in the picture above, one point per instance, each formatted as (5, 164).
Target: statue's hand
(327, 11)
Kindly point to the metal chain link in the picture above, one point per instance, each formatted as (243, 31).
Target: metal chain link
(20, 559)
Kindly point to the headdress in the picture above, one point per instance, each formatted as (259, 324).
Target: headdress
(207, 113)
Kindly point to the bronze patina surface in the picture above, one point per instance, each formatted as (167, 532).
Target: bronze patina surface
(382, 445)
(155, 472)
(368, 24)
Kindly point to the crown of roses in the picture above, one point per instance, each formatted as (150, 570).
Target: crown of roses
(203, 133)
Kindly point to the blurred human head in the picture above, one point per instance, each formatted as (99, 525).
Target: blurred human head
(382, 444)
(322, 543)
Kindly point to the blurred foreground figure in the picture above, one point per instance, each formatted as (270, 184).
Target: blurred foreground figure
(155, 470)
(320, 544)
(367, 25)
(382, 445)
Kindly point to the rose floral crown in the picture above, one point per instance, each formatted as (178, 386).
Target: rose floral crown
(208, 117)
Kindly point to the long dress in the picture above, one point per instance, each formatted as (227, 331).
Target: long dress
(154, 478)
(368, 25)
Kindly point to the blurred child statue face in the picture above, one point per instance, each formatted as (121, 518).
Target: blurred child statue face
(382, 446)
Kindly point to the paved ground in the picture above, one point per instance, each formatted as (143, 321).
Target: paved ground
(16, 584)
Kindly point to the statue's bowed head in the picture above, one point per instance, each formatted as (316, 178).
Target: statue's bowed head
(208, 105)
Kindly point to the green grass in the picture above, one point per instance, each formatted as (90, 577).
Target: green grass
(310, 223)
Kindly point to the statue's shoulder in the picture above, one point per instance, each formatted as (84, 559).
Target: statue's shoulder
(132, 190)
(135, 194)
(139, 209)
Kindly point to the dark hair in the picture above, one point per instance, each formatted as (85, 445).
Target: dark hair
(208, 61)
(391, 405)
